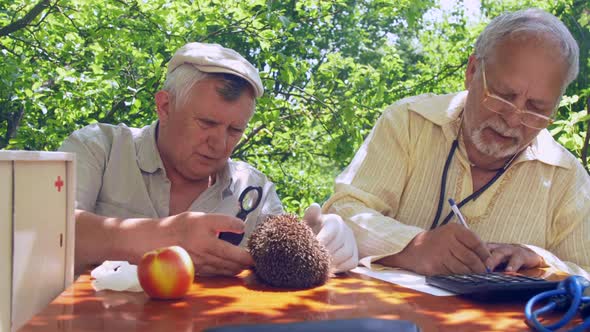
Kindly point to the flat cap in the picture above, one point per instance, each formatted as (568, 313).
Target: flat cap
(214, 58)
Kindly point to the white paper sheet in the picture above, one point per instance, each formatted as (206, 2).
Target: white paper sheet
(403, 278)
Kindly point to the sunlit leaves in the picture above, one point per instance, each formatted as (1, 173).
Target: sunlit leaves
(329, 67)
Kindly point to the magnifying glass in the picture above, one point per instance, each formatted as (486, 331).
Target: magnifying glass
(249, 200)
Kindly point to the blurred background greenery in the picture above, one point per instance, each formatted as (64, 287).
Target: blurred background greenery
(329, 68)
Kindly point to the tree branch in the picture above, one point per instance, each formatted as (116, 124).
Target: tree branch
(38, 24)
(283, 154)
(40, 49)
(311, 98)
(450, 70)
(12, 122)
(25, 20)
(249, 137)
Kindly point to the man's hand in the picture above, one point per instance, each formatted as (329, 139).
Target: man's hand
(332, 232)
(198, 234)
(448, 249)
(515, 257)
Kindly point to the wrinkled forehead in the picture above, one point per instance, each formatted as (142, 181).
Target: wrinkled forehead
(537, 44)
(533, 60)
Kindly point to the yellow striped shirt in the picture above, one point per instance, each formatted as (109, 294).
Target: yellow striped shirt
(390, 190)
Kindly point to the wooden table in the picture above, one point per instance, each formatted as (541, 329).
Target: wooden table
(243, 300)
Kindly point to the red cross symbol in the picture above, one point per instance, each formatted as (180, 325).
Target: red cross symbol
(59, 183)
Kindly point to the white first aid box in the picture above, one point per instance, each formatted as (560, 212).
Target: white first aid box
(36, 232)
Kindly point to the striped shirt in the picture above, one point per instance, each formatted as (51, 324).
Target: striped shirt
(389, 192)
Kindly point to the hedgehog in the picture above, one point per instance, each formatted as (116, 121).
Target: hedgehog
(287, 254)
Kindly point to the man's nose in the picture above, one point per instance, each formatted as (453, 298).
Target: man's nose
(217, 139)
(512, 117)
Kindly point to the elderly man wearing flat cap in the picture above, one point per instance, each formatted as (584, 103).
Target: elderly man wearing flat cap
(172, 182)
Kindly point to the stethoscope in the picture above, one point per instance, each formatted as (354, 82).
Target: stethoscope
(568, 295)
(249, 200)
(469, 198)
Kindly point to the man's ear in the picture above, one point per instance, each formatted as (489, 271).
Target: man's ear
(163, 105)
(470, 71)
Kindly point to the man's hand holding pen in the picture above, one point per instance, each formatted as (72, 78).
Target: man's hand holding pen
(448, 249)
(513, 256)
(454, 249)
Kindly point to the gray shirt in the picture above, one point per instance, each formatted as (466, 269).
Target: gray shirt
(120, 174)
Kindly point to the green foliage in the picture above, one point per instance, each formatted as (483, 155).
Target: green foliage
(569, 130)
(329, 69)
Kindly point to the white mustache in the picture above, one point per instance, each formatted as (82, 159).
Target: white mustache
(501, 128)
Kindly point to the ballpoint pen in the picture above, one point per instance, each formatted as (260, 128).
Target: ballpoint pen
(457, 212)
(461, 219)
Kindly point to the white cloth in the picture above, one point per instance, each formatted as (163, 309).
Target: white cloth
(117, 276)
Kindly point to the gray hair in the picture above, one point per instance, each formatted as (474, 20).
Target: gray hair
(534, 22)
(182, 79)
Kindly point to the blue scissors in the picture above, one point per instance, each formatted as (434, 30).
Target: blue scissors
(249, 200)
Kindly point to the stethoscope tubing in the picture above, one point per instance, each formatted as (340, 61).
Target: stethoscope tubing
(572, 287)
(469, 198)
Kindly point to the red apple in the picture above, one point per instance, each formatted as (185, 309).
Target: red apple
(166, 273)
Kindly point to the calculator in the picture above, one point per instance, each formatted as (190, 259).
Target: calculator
(493, 285)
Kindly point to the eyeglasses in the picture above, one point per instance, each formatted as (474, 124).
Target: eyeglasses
(502, 106)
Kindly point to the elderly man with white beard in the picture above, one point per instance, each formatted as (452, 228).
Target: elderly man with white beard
(525, 199)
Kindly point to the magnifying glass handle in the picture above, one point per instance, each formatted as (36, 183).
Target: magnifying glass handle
(233, 238)
(242, 215)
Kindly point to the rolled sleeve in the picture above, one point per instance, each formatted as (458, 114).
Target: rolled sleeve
(91, 159)
(368, 193)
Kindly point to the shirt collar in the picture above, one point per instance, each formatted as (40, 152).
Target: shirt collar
(148, 157)
(546, 149)
(543, 148)
(225, 179)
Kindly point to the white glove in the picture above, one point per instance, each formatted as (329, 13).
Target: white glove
(335, 235)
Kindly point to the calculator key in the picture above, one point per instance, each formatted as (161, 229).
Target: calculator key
(489, 285)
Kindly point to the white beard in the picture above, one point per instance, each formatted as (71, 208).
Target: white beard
(494, 148)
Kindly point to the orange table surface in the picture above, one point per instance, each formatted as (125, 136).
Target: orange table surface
(216, 301)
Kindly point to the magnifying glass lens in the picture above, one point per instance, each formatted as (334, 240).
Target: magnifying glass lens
(249, 200)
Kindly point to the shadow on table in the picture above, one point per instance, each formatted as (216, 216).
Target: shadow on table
(223, 301)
